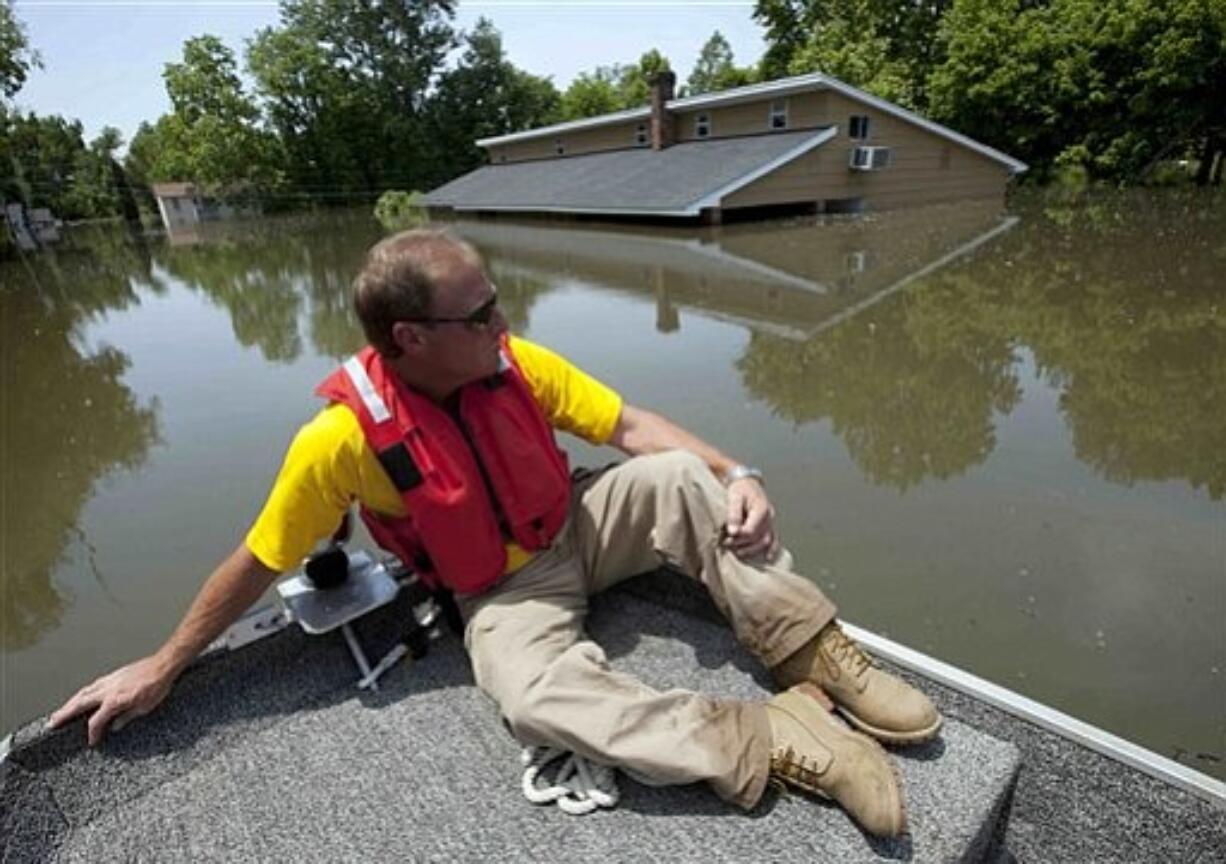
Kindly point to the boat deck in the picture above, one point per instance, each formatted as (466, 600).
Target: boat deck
(269, 752)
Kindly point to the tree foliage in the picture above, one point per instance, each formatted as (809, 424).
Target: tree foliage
(882, 46)
(213, 136)
(1114, 301)
(715, 70)
(17, 58)
(613, 88)
(45, 162)
(592, 94)
(347, 85)
(1110, 86)
(483, 96)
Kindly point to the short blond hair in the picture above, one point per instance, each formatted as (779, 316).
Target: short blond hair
(398, 279)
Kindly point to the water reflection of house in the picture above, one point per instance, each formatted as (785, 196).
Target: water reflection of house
(792, 280)
(807, 143)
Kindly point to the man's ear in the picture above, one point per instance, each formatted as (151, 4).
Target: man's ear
(407, 336)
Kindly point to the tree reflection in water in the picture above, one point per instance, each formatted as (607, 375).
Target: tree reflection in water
(1120, 304)
(67, 419)
(264, 273)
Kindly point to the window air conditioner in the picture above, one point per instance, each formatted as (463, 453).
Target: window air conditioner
(869, 158)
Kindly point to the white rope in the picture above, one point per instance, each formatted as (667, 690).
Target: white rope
(578, 786)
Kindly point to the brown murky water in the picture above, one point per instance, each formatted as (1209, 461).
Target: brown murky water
(999, 438)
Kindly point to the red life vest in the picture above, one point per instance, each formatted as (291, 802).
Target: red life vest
(446, 470)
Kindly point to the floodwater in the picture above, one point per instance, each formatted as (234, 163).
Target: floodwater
(999, 438)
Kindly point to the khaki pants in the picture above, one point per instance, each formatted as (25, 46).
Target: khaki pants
(524, 635)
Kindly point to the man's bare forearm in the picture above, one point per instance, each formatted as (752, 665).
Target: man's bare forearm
(228, 592)
(639, 432)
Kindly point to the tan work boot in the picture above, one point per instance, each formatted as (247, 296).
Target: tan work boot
(813, 751)
(873, 701)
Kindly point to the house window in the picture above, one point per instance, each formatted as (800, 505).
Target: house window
(779, 114)
(858, 127)
(702, 126)
(175, 203)
(559, 147)
(640, 135)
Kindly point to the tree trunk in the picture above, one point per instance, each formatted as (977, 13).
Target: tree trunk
(1210, 168)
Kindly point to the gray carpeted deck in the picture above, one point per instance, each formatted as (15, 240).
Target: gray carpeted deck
(270, 754)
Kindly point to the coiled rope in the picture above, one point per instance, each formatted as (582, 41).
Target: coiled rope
(578, 786)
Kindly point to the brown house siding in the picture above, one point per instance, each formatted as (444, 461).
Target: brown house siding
(925, 168)
(805, 111)
(619, 136)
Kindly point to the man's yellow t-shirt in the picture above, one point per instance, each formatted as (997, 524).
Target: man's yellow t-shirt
(329, 464)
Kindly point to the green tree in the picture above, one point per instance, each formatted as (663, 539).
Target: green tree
(634, 82)
(592, 94)
(44, 162)
(787, 23)
(347, 86)
(1111, 87)
(613, 88)
(16, 56)
(483, 96)
(37, 157)
(881, 46)
(99, 186)
(715, 70)
(212, 137)
(138, 164)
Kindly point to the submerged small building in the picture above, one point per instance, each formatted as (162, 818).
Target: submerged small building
(809, 143)
(184, 206)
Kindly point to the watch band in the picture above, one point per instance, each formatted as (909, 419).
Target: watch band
(740, 472)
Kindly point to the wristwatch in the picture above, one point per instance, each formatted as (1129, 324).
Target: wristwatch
(740, 472)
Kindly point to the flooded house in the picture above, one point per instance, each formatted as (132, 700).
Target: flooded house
(810, 143)
(184, 206)
(30, 228)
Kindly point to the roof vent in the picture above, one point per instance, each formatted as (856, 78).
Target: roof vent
(869, 158)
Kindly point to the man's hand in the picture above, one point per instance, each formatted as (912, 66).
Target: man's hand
(136, 689)
(116, 699)
(750, 529)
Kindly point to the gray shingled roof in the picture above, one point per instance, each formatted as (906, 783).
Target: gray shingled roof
(675, 181)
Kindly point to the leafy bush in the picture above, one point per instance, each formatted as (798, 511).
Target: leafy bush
(397, 210)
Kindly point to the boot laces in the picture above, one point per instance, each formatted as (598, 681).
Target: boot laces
(787, 764)
(846, 653)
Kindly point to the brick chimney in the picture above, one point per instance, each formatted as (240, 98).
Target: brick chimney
(662, 124)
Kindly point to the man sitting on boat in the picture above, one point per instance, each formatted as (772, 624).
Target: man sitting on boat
(442, 431)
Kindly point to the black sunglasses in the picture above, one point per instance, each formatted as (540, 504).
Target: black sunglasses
(478, 319)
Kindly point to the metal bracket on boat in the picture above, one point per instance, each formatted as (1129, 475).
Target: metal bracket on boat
(259, 622)
(368, 585)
